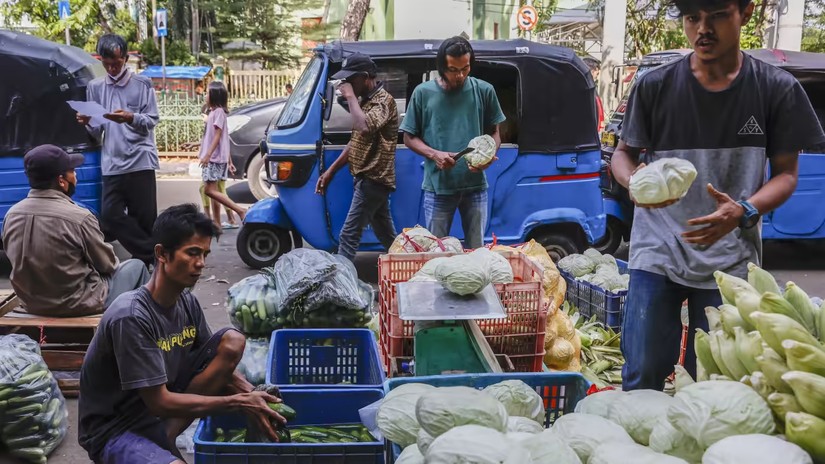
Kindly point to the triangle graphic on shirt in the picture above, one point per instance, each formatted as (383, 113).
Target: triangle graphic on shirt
(751, 128)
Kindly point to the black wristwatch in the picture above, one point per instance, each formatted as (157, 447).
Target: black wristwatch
(751, 216)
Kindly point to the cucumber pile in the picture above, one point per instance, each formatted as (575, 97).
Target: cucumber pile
(32, 409)
(305, 289)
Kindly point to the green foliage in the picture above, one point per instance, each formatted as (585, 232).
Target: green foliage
(177, 53)
(813, 36)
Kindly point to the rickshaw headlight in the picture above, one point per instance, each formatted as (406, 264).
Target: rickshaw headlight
(280, 170)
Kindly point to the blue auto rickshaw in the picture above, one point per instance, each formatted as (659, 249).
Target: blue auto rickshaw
(38, 78)
(802, 217)
(545, 185)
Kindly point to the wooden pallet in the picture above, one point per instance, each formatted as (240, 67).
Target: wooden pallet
(65, 339)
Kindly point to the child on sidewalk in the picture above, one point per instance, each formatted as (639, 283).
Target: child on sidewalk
(214, 154)
(208, 205)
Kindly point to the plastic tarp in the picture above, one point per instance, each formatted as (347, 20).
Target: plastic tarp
(40, 76)
(177, 72)
(556, 90)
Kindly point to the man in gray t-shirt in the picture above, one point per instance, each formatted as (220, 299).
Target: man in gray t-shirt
(129, 154)
(730, 115)
(154, 365)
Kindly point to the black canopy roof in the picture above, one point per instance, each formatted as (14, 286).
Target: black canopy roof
(556, 93)
(39, 77)
(806, 66)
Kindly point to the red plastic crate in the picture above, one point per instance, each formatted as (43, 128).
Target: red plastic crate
(520, 336)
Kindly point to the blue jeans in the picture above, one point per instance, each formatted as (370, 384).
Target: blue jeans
(370, 206)
(439, 211)
(652, 328)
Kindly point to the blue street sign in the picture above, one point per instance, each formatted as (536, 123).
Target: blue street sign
(63, 9)
(161, 22)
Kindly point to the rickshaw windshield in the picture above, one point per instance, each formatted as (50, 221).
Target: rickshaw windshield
(296, 107)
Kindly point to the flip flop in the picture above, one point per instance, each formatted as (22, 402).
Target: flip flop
(227, 225)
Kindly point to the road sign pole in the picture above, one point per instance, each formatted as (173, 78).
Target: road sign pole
(68, 37)
(163, 60)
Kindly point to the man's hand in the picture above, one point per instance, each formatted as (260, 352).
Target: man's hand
(482, 168)
(82, 119)
(720, 223)
(346, 90)
(443, 160)
(323, 182)
(120, 116)
(664, 204)
(254, 406)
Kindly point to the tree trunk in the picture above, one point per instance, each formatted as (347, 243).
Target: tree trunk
(354, 19)
(196, 28)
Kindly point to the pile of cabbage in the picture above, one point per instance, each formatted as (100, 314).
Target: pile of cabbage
(420, 240)
(661, 181)
(710, 422)
(772, 340)
(467, 274)
(597, 269)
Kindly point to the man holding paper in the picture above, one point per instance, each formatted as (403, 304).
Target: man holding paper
(130, 156)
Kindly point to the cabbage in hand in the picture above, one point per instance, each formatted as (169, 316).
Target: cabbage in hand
(662, 180)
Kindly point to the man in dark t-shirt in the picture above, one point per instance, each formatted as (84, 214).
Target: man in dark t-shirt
(730, 115)
(154, 365)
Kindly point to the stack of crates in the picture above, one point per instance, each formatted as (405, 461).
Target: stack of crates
(520, 336)
(327, 376)
(592, 300)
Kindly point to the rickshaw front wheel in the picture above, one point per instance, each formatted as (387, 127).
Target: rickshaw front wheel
(613, 236)
(260, 245)
(558, 245)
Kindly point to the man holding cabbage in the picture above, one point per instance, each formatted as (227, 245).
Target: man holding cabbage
(445, 116)
(717, 116)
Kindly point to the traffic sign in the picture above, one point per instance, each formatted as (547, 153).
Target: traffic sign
(63, 9)
(161, 22)
(527, 17)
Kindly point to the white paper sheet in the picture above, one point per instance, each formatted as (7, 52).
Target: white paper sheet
(92, 109)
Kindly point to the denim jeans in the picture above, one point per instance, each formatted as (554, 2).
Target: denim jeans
(439, 211)
(370, 206)
(652, 328)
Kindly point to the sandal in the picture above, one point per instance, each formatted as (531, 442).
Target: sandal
(227, 225)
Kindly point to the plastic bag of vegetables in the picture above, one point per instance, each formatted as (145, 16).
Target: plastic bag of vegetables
(32, 407)
(662, 180)
(253, 362)
(755, 449)
(413, 240)
(252, 305)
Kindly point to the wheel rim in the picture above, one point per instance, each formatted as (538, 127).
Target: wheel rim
(556, 252)
(263, 182)
(263, 245)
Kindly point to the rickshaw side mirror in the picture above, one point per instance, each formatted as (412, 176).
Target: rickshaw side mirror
(329, 94)
(263, 147)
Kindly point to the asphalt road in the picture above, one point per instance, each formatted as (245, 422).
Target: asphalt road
(801, 262)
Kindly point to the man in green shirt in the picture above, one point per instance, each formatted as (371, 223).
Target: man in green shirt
(442, 117)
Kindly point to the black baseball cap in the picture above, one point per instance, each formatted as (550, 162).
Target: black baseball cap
(355, 64)
(47, 162)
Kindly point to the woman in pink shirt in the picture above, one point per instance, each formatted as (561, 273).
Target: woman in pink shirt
(214, 154)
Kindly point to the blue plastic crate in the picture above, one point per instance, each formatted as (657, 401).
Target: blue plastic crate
(590, 300)
(561, 391)
(325, 358)
(313, 407)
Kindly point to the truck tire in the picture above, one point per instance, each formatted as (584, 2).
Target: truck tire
(558, 245)
(260, 245)
(256, 177)
(613, 236)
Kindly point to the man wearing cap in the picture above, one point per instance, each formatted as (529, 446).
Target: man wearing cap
(370, 154)
(61, 266)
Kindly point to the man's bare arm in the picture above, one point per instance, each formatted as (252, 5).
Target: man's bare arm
(442, 159)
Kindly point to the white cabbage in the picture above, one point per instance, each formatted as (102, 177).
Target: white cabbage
(577, 265)
(410, 455)
(474, 444)
(638, 411)
(667, 440)
(463, 274)
(585, 432)
(519, 399)
(598, 404)
(415, 240)
(445, 408)
(755, 449)
(716, 409)
(547, 448)
(447, 245)
(407, 388)
(484, 150)
(427, 271)
(396, 419)
(516, 437)
(424, 441)
(523, 424)
(662, 180)
(630, 453)
(500, 270)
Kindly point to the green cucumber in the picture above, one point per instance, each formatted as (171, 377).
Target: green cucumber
(30, 409)
(248, 325)
(285, 411)
(36, 455)
(25, 442)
